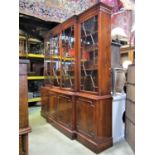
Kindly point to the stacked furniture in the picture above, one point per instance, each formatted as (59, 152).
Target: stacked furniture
(32, 49)
(76, 98)
(130, 107)
(24, 128)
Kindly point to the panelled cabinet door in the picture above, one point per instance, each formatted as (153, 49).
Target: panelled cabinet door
(85, 116)
(44, 100)
(52, 107)
(65, 110)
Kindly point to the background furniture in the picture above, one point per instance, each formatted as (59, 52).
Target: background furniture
(24, 128)
(127, 54)
(115, 55)
(77, 98)
(118, 108)
(32, 49)
(130, 107)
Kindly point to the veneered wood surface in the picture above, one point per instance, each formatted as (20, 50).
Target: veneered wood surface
(84, 115)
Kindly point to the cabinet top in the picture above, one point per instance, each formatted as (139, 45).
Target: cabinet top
(100, 6)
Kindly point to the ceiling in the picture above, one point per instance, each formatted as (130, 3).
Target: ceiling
(38, 16)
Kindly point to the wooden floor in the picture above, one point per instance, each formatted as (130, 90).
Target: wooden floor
(46, 140)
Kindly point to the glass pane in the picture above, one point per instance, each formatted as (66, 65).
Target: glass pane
(55, 52)
(47, 49)
(68, 58)
(54, 45)
(47, 62)
(89, 55)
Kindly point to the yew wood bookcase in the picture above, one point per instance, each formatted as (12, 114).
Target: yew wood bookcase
(76, 98)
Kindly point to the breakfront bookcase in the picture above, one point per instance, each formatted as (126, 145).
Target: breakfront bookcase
(76, 97)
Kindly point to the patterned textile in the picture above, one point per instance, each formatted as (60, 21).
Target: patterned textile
(124, 20)
(120, 4)
(60, 10)
(54, 10)
(116, 4)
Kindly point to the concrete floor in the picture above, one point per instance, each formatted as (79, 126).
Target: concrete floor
(46, 140)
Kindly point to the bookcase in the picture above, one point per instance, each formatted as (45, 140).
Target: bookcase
(76, 98)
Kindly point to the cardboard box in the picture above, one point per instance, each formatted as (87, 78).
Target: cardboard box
(131, 74)
(130, 133)
(130, 111)
(131, 92)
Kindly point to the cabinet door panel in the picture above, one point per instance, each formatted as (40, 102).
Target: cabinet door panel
(86, 116)
(68, 53)
(55, 64)
(52, 104)
(65, 110)
(44, 100)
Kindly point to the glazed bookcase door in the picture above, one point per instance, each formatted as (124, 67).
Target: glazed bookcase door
(68, 58)
(55, 63)
(89, 55)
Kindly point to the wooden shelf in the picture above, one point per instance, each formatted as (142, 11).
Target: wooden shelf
(32, 55)
(43, 56)
(35, 55)
(22, 55)
(89, 68)
(63, 58)
(91, 48)
(68, 59)
(34, 99)
(22, 37)
(89, 34)
(34, 40)
(36, 77)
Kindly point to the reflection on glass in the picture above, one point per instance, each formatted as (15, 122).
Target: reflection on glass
(47, 49)
(56, 73)
(68, 60)
(47, 71)
(54, 43)
(47, 62)
(55, 51)
(89, 55)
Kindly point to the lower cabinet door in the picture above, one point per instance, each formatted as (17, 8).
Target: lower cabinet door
(85, 117)
(44, 100)
(52, 106)
(65, 110)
